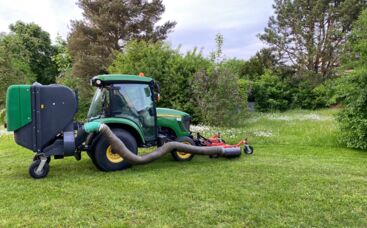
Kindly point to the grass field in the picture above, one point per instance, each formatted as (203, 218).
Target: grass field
(298, 176)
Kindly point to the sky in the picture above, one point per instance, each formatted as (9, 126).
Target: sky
(198, 21)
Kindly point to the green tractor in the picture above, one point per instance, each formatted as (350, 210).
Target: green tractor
(127, 104)
(42, 118)
(122, 118)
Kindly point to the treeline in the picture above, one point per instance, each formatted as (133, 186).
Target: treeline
(314, 58)
(25, 56)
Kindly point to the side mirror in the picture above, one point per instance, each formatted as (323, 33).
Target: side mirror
(158, 93)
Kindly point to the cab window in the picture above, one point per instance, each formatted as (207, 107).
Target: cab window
(134, 102)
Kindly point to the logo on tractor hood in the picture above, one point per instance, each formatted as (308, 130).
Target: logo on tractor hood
(171, 113)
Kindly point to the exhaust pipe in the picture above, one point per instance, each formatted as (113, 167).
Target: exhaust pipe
(119, 147)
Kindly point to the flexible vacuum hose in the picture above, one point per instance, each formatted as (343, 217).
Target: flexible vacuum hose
(119, 147)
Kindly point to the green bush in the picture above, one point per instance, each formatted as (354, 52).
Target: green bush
(271, 93)
(351, 88)
(306, 96)
(353, 117)
(235, 66)
(335, 90)
(220, 96)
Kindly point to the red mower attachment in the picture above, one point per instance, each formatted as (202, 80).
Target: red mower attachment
(231, 150)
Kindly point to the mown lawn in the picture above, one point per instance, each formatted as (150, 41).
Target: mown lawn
(298, 176)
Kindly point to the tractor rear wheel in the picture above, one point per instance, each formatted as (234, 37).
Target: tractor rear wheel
(182, 156)
(103, 156)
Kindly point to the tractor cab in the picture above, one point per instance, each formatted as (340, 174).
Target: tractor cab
(129, 102)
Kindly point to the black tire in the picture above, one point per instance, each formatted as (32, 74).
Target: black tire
(91, 156)
(248, 149)
(33, 167)
(179, 156)
(101, 149)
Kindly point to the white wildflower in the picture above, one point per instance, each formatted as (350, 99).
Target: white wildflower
(299, 117)
(285, 118)
(199, 128)
(263, 133)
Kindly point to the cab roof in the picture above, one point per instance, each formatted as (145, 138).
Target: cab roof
(112, 78)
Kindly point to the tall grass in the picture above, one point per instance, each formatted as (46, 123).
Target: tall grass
(296, 127)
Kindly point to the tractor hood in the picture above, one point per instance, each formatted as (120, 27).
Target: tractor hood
(167, 112)
(179, 122)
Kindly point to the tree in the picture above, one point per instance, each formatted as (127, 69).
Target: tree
(271, 93)
(25, 57)
(62, 57)
(107, 26)
(218, 93)
(31, 47)
(310, 34)
(13, 69)
(258, 64)
(219, 96)
(217, 56)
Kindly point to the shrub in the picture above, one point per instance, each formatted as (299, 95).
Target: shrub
(352, 88)
(271, 93)
(220, 96)
(235, 66)
(306, 96)
(353, 117)
(335, 90)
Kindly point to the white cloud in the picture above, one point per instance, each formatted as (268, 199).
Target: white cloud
(217, 13)
(238, 20)
(53, 16)
(197, 21)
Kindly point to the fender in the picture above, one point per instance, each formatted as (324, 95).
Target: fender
(122, 122)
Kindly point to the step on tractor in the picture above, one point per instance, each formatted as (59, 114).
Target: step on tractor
(122, 118)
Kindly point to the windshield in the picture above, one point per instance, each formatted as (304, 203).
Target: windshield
(99, 102)
(129, 101)
(134, 102)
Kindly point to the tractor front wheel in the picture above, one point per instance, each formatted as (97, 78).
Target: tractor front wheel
(182, 156)
(107, 160)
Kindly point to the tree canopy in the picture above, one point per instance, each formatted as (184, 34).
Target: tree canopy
(310, 34)
(30, 46)
(107, 26)
(25, 56)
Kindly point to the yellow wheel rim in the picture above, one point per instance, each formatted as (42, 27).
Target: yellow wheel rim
(112, 157)
(184, 155)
